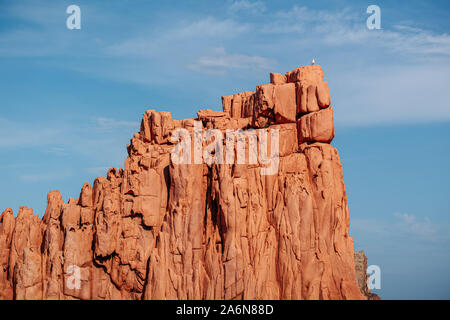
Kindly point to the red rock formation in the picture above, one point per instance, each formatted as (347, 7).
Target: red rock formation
(161, 230)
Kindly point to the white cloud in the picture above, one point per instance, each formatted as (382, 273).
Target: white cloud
(399, 74)
(416, 40)
(181, 36)
(414, 93)
(413, 225)
(219, 62)
(255, 7)
(346, 27)
(282, 27)
(405, 226)
(210, 27)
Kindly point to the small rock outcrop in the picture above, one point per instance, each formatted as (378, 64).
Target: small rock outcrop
(362, 277)
(230, 221)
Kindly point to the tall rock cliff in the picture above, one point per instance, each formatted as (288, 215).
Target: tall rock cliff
(220, 224)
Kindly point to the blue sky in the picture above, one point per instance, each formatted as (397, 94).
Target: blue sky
(71, 99)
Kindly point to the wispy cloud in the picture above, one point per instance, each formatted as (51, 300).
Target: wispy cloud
(416, 40)
(413, 225)
(332, 27)
(254, 7)
(376, 77)
(387, 94)
(181, 36)
(406, 226)
(220, 62)
(346, 27)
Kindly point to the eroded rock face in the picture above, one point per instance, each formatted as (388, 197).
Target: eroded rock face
(219, 230)
(362, 277)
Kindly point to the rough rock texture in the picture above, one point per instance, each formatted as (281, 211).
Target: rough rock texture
(161, 230)
(362, 277)
(317, 126)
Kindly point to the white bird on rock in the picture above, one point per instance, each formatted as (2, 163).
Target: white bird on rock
(313, 62)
